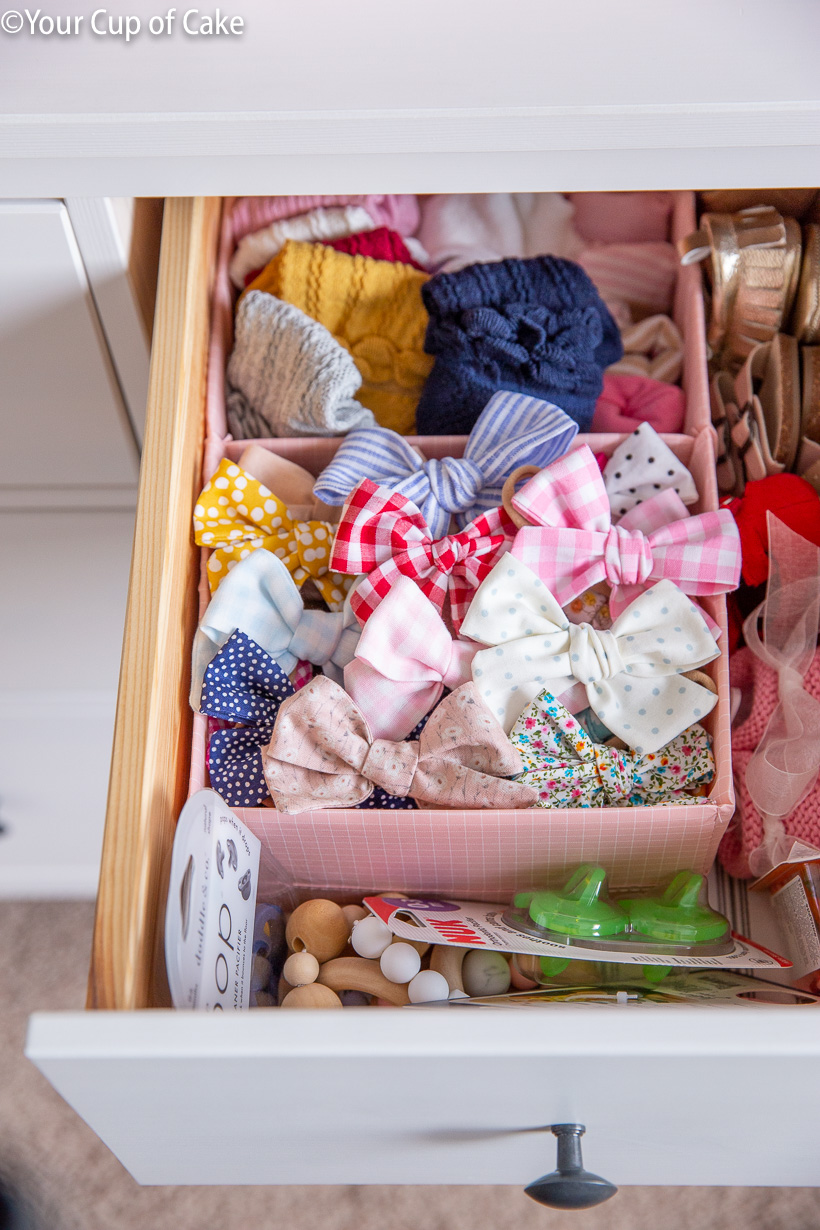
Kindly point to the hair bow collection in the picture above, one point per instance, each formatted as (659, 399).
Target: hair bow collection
(322, 754)
(568, 769)
(236, 514)
(573, 544)
(512, 430)
(259, 598)
(404, 660)
(641, 467)
(386, 536)
(629, 674)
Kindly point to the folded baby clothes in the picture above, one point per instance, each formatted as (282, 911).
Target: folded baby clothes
(568, 769)
(259, 598)
(381, 244)
(322, 754)
(627, 401)
(235, 515)
(512, 430)
(631, 675)
(460, 229)
(287, 375)
(622, 217)
(641, 467)
(399, 211)
(385, 536)
(529, 326)
(638, 277)
(653, 347)
(791, 499)
(572, 545)
(256, 249)
(776, 735)
(372, 308)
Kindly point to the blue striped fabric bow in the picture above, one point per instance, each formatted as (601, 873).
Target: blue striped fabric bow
(512, 430)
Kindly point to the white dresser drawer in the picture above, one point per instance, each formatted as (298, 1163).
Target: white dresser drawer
(668, 1094)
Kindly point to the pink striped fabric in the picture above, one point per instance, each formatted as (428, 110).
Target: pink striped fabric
(399, 211)
(633, 273)
(404, 660)
(384, 535)
(573, 544)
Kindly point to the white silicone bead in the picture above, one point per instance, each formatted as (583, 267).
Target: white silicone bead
(427, 987)
(485, 973)
(370, 937)
(400, 962)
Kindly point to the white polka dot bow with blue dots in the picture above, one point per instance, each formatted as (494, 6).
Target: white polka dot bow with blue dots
(630, 673)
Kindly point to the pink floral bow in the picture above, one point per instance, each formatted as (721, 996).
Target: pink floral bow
(322, 754)
(573, 544)
(384, 535)
(404, 660)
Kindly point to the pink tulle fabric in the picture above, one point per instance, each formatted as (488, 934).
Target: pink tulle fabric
(398, 211)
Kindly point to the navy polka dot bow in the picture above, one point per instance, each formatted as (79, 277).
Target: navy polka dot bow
(243, 684)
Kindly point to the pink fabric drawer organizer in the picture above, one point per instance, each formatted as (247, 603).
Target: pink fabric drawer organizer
(484, 854)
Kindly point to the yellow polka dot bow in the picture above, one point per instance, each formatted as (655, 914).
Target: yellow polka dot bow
(236, 514)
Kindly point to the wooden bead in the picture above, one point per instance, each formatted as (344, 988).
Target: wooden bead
(313, 996)
(282, 990)
(359, 974)
(300, 969)
(354, 914)
(448, 961)
(318, 927)
(422, 947)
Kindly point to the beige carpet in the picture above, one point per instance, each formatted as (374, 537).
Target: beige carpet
(74, 1183)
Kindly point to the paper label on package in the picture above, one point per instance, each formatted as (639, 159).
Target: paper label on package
(796, 921)
(475, 924)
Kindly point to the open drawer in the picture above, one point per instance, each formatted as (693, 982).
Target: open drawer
(669, 1095)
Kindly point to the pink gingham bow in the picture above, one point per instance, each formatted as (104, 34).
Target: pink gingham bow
(385, 535)
(573, 544)
(404, 660)
(322, 754)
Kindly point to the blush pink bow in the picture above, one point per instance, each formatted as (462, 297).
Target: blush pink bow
(573, 544)
(384, 535)
(404, 660)
(322, 754)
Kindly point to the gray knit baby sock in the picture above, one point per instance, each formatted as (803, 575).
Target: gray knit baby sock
(288, 376)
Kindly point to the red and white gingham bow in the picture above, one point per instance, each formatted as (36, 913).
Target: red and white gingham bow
(574, 545)
(384, 535)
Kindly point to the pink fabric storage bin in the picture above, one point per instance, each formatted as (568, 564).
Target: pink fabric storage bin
(484, 854)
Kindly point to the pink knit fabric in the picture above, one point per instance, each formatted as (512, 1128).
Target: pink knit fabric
(399, 211)
(622, 217)
(758, 683)
(627, 401)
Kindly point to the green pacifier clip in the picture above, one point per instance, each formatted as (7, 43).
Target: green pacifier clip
(676, 917)
(576, 910)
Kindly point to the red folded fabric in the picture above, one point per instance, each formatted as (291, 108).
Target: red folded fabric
(382, 244)
(627, 401)
(792, 500)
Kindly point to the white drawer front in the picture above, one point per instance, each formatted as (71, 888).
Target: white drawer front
(668, 1095)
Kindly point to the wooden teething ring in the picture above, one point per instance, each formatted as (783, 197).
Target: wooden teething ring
(508, 491)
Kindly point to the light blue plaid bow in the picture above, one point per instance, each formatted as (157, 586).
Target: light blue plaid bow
(512, 430)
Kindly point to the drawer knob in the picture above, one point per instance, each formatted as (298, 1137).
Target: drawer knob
(570, 1186)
